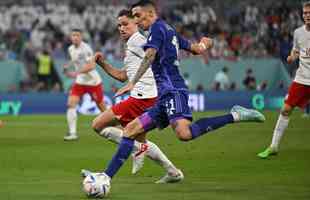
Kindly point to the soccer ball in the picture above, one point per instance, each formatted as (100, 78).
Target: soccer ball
(96, 185)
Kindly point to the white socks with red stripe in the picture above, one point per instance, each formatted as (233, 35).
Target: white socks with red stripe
(157, 155)
(153, 151)
(281, 125)
(72, 119)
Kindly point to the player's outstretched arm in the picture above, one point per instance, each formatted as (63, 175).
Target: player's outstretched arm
(67, 72)
(109, 69)
(293, 56)
(148, 59)
(90, 65)
(204, 44)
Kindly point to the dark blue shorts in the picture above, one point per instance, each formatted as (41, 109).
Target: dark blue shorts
(168, 108)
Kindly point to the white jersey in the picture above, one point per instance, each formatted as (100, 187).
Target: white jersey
(146, 86)
(80, 56)
(302, 45)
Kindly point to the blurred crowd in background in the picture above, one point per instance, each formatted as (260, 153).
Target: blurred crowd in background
(240, 29)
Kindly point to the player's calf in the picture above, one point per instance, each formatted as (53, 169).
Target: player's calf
(105, 119)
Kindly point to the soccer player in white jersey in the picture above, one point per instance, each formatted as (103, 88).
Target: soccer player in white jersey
(299, 91)
(142, 97)
(87, 80)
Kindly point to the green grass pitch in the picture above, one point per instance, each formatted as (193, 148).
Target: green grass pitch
(36, 164)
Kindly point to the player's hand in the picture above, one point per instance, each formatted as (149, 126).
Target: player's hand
(293, 56)
(205, 43)
(71, 74)
(99, 56)
(124, 89)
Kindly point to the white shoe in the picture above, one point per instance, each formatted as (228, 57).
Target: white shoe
(71, 137)
(171, 178)
(247, 115)
(138, 158)
(85, 172)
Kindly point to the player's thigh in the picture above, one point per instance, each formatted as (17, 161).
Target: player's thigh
(73, 101)
(96, 93)
(298, 96)
(134, 129)
(179, 114)
(75, 94)
(107, 118)
(181, 129)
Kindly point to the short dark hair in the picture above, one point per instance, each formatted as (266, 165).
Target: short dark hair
(225, 69)
(144, 3)
(76, 30)
(126, 13)
(306, 4)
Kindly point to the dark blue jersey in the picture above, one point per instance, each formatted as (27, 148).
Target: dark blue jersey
(167, 42)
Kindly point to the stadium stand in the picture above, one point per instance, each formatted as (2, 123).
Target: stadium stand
(242, 31)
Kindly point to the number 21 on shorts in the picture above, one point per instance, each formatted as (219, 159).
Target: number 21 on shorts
(170, 106)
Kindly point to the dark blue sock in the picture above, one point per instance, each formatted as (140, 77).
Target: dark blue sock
(205, 125)
(124, 149)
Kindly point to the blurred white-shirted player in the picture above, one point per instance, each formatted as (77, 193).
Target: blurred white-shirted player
(299, 91)
(87, 80)
(142, 97)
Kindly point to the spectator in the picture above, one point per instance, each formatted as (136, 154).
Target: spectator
(200, 88)
(249, 81)
(221, 80)
(262, 86)
(233, 86)
(281, 85)
(47, 76)
(187, 80)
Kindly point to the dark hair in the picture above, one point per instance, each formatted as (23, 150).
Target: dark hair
(144, 3)
(76, 30)
(126, 13)
(225, 69)
(306, 4)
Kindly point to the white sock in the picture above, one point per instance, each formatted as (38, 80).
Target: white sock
(71, 119)
(115, 135)
(235, 116)
(281, 125)
(159, 157)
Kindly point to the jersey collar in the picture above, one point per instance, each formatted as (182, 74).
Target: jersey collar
(131, 38)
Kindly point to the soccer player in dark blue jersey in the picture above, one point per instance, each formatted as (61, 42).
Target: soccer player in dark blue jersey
(161, 53)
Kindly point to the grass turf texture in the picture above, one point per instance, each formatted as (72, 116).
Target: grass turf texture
(36, 164)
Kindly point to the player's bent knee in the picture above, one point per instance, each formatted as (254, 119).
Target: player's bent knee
(73, 101)
(183, 135)
(181, 128)
(133, 129)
